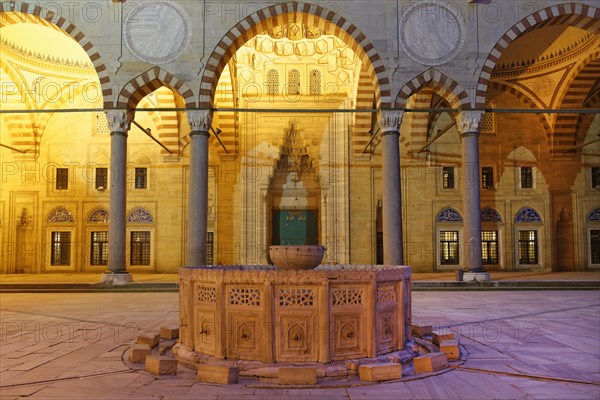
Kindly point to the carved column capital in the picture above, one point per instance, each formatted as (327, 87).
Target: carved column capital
(469, 122)
(118, 121)
(390, 121)
(199, 120)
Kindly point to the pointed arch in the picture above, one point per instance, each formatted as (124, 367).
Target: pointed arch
(33, 13)
(442, 85)
(278, 14)
(147, 82)
(582, 16)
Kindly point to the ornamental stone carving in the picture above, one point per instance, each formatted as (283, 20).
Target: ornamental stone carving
(118, 121)
(469, 121)
(199, 120)
(390, 120)
(157, 31)
(431, 32)
(61, 215)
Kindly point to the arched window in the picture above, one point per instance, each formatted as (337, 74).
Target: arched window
(98, 237)
(140, 245)
(528, 237)
(449, 224)
(490, 236)
(61, 237)
(272, 81)
(293, 86)
(315, 82)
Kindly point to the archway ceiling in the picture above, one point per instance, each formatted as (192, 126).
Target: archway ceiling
(542, 64)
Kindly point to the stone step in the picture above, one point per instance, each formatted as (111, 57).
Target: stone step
(160, 365)
(222, 374)
(380, 372)
(430, 363)
(297, 376)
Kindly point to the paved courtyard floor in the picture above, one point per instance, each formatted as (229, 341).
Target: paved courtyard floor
(520, 345)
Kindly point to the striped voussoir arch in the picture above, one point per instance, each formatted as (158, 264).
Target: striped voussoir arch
(281, 14)
(147, 82)
(567, 126)
(32, 13)
(578, 15)
(441, 84)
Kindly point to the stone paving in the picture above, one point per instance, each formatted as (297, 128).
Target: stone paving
(520, 344)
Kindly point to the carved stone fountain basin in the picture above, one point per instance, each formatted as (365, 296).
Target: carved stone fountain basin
(261, 313)
(296, 257)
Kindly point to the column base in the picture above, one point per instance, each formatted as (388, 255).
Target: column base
(116, 278)
(476, 276)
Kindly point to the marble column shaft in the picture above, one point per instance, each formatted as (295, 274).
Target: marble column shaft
(392, 200)
(468, 123)
(198, 187)
(119, 122)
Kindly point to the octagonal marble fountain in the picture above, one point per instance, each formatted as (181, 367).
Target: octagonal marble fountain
(264, 315)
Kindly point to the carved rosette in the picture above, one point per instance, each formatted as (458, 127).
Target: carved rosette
(199, 120)
(118, 121)
(390, 121)
(469, 121)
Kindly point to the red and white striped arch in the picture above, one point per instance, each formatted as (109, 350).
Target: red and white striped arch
(280, 14)
(572, 14)
(22, 12)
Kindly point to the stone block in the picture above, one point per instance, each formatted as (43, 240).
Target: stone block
(297, 376)
(451, 348)
(150, 339)
(380, 372)
(438, 337)
(421, 330)
(169, 332)
(222, 374)
(139, 352)
(159, 365)
(430, 363)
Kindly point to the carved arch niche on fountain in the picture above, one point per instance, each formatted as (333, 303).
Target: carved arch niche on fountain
(295, 192)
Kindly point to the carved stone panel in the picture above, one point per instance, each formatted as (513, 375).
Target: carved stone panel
(184, 328)
(348, 334)
(295, 336)
(244, 336)
(387, 330)
(205, 330)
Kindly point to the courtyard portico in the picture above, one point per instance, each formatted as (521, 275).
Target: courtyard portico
(473, 148)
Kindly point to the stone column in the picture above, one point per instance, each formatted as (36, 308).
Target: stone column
(392, 202)
(198, 187)
(119, 123)
(468, 123)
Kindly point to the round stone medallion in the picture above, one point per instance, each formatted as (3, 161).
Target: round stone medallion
(432, 32)
(157, 31)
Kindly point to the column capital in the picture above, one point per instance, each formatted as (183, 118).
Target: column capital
(469, 121)
(118, 121)
(199, 120)
(390, 120)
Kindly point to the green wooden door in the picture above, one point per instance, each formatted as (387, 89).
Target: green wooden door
(295, 227)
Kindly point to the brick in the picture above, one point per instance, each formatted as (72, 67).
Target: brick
(297, 376)
(380, 372)
(451, 348)
(430, 363)
(150, 339)
(422, 330)
(438, 337)
(218, 374)
(169, 332)
(139, 352)
(159, 365)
